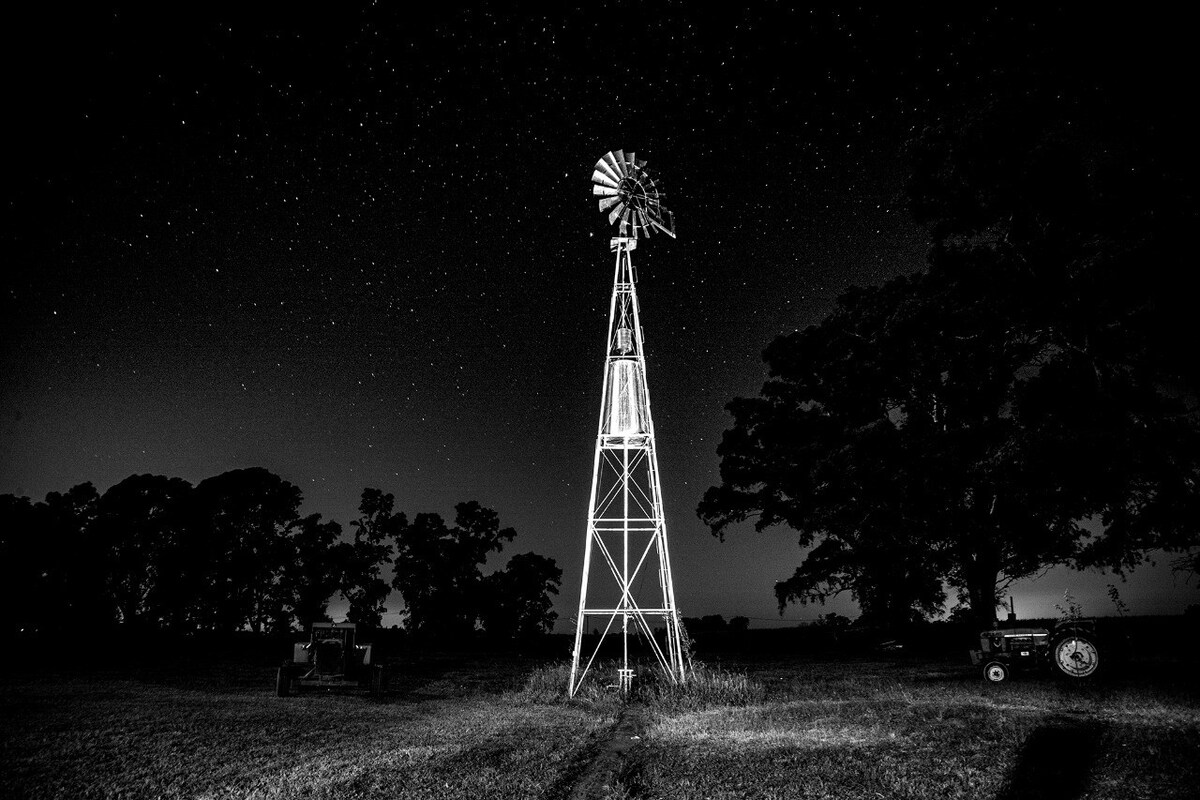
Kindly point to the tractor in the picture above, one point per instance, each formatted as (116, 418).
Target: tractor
(331, 658)
(1069, 649)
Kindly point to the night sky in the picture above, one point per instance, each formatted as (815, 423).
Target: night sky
(358, 246)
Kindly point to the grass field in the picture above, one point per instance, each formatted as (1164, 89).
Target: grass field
(484, 729)
(902, 730)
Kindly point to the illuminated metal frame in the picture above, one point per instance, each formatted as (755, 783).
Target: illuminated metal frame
(626, 501)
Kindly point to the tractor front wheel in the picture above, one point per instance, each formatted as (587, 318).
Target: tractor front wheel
(995, 672)
(378, 680)
(1076, 656)
(283, 682)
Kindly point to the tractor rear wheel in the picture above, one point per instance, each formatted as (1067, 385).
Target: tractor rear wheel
(995, 672)
(283, 682)
(1076, 656)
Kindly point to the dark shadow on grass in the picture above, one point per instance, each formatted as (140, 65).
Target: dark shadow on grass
(596, 770)
(1055, 761)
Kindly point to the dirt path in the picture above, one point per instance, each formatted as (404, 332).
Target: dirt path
(596, 780)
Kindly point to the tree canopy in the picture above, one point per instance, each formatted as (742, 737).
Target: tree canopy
(365, 587)
(517, 598)
(234, 553)
(438, 568)
(972, 424)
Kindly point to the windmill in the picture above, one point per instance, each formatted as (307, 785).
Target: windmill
(633, 595)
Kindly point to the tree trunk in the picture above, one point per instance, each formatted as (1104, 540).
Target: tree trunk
(981, 573)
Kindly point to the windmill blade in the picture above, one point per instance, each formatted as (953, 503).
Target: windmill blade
(604, 191)
(606, 169)
(616, 212)
(608, 202)
(617, 166)
(610, 164)
(641, 220)
(640, 164)
(601, 178)
(630, 161)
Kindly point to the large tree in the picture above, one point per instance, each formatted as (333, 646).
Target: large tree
(918, 437)
(978, 422)
(18, 554)
(72, 592)
(365, 557)
(141, 527)
(245, 519)
(314, 573)
(438, 568)
(517, 598)
(154, 552)
(51, 563)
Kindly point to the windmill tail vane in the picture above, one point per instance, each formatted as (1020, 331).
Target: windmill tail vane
(630, 197)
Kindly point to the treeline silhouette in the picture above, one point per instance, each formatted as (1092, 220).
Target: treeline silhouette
(233, 553)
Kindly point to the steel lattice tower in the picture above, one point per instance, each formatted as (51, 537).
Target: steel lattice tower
(626, 530)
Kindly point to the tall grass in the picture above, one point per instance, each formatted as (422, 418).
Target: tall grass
(704, 687)
(548, 685)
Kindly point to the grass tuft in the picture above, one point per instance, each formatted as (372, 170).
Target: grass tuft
(548, 685)
(705, 687)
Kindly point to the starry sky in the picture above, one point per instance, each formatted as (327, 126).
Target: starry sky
(356, 245)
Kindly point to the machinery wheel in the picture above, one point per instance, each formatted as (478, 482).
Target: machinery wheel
(1076, 656)
(995, 672)
(378, 680)
(283, 682)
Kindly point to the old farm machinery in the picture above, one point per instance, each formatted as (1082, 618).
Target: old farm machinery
(1068, 648)
(331, 658)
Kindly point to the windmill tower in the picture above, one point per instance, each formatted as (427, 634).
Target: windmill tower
(632, 593)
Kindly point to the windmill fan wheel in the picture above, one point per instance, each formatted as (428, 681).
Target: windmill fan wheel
(630, 196)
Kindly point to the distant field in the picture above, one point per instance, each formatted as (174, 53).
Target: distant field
(465, 729)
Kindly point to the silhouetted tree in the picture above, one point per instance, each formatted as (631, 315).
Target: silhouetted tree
(1085, 195)
(74, 593)
(364, 585)
(314, 572)
(963, 425)
(438, 568)
(917, 436)
(1090, 190)
(245, 518)
(832, 620)
(141, 527)
(517, 599)
(25, 561)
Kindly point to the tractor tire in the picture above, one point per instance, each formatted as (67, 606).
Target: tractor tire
(378, 681)
(995, 672)
(1075, 656)
(283, 682)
